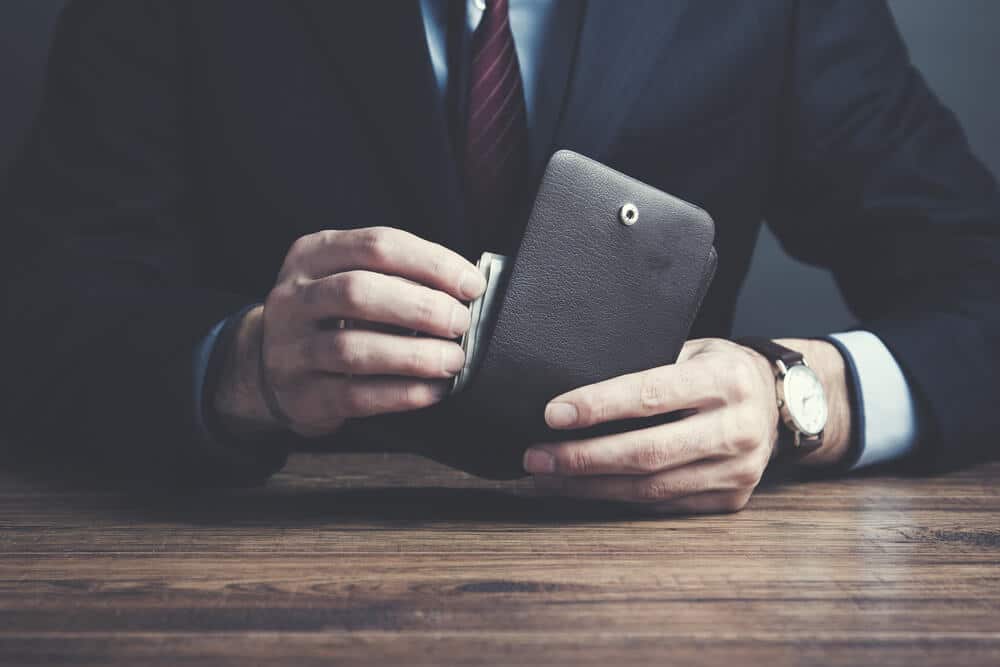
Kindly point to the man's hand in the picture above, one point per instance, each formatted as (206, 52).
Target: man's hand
(709, 461)
(384, 282)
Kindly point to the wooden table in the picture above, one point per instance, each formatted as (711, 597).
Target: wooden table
(393, 560)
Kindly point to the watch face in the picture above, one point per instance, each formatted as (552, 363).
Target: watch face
(805, 399)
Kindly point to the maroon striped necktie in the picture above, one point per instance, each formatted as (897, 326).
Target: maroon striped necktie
(496, 141)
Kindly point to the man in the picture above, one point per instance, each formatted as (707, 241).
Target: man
(210, 184)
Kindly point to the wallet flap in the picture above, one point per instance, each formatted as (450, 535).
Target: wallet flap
(592, 293)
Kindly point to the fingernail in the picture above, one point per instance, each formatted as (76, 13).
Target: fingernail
(452, 359)
(459, 320)
(539, 461)
(472, 284)
(560, 415)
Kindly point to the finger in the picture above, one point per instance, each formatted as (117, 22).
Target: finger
(659, 487)
(385, 250)
(374, 297)
(368, 396)
(327, 398)
(363, 352)
(639, 452)
(690, 384)
(710, 502)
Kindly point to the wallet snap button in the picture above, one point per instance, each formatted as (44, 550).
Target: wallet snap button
(628, 214)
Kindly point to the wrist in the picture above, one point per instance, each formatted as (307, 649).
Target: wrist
(828, 364)
(238, 402)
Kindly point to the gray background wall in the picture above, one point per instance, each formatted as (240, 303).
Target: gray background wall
(956, 43)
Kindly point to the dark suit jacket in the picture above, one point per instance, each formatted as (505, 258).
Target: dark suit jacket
(183, 146)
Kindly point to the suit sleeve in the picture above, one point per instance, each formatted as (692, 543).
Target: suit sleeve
(103, 307)
(878, 184)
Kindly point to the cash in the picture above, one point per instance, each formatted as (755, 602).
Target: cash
(483, 313)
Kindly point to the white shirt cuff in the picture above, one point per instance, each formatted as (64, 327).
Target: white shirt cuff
(888, 420)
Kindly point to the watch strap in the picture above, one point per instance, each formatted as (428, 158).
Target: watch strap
(771, 350)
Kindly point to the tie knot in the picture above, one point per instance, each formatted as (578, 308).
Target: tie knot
(494, 9)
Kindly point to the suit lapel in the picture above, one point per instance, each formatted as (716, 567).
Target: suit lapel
(616, 52)
(555, 64)
(378, 51)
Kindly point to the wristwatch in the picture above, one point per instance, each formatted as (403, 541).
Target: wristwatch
(801, 399)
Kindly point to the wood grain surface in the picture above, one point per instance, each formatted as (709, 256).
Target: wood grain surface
(390, 559)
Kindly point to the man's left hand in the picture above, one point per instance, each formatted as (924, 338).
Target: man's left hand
(709, 461)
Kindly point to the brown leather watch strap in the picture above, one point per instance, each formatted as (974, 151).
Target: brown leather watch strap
(771, 350)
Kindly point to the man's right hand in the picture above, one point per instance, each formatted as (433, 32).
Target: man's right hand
(320, 374)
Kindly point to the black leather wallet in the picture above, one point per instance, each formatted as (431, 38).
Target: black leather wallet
(608, 279)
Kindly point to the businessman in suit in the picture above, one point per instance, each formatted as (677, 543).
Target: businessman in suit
(209, 185)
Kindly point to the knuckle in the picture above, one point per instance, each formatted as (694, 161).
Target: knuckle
(344, 352)
(326, 238)
(741, 441)
(691, 444)
(743, 430)
(591, 407)
(420, 361)
(650, 455)
(299, 284)
(651, 490)
(652, 391)
(717, 382)
(306, 291)
(376, 244)
(448, 269)
(742, 380)
(577, 460)
(441, 266)
(355, 290)
(747, 475)
(427, 310)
